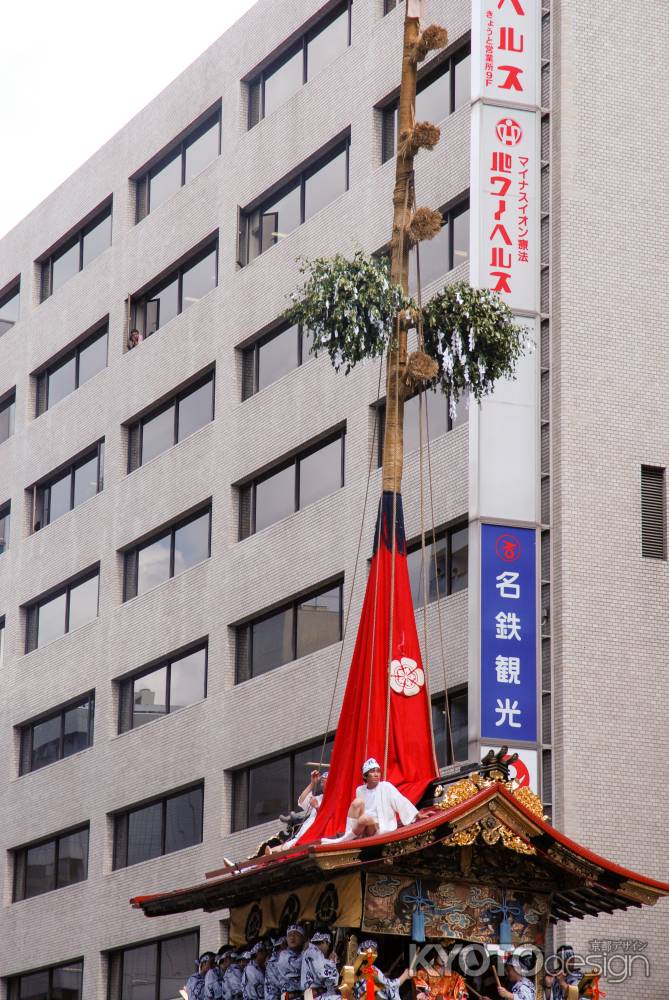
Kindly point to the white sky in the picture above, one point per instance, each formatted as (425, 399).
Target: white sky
(73, 72)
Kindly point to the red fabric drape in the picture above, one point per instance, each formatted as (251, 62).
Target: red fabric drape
(361, 730)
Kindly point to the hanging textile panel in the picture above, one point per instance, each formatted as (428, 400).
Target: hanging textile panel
(336, 903)
(428, 909)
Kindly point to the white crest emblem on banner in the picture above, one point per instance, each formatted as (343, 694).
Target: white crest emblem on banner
(406, 677)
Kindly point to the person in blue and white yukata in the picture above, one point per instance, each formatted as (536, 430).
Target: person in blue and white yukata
(522, 987)
(253, 977)
(384, 988)
(319, 971)
(272, 983)
(566, 975)
(195, 984)
(232, 980)
(290, 964)
(213, 980)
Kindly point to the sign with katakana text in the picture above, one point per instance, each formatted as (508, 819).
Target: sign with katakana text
(508, 634)
(506, 206)
(506, 51)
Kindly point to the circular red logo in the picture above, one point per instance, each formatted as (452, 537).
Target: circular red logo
(522, 774)
(509, 131)
(507, 547)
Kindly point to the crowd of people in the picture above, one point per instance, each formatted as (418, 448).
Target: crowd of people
(295, 967)
(287, 967)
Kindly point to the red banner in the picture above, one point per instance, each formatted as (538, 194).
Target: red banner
(377, 697)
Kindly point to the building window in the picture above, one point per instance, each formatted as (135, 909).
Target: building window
(300, 198)
(436, 419)
(447, 250)
(179, 165)
(5, 522)
(171, 422)
(388, 5)
(439, 93)
(653, 512)
(57, 735)
(51, 864)
(158, 827)
(9, 306)
(457, 712)
(163, 688)
(268, 358)
(154, 970)
(62, 492)
(290, 486)
(261, 792)
(7, 415)
(302, 626)
(76, 252)
(72, 370)
(447, 559)
(168, 553)
(2, 640)
(305, 58)
(60, 982)
(64, 611)
(187, 283)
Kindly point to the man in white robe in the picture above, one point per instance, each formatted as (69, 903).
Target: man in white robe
(376, 806)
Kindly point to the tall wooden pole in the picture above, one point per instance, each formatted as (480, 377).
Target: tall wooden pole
(403, 196)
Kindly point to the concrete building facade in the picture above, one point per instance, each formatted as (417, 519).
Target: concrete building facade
(161, 595)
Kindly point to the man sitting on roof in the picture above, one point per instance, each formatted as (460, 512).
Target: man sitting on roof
(376, 806)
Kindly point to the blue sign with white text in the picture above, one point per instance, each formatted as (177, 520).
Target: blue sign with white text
(508, 634)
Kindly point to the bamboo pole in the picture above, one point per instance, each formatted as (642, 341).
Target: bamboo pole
(403, 196)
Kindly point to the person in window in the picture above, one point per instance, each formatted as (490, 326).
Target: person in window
(290, 963)
(376, 807)
(253, 977)
(195, 984)
(319, 970)
(213, 981)
(135, 338)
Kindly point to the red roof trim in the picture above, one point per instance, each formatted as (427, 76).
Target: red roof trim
(431, 819)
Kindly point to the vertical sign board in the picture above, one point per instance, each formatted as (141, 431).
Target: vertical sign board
(506, 174)
(504, 500)
(508, 634)
(506, 55)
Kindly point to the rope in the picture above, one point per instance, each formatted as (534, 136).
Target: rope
(447, 708)
(392, 593)
(355, 569)
(421, 345)
(410, 187)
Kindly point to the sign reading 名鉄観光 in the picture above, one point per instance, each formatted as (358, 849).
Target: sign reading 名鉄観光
(508, 634)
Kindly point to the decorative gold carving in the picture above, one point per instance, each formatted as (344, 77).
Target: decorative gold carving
(337, 859)
(640, 893)
(566, 859)
(411, 844)
(492, 828)
(530, 800)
